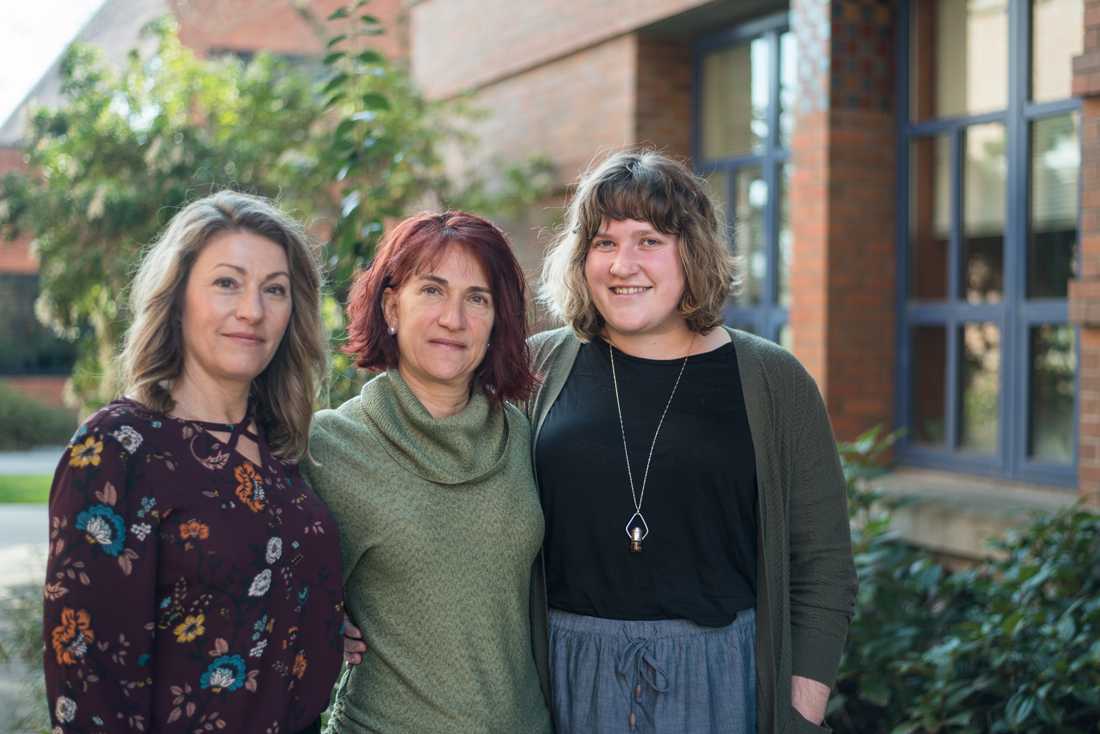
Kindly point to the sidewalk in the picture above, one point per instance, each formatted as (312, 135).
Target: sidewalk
(42, 460)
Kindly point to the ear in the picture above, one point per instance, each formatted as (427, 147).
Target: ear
(389, 306)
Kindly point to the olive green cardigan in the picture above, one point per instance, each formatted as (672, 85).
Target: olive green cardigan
(806, 581)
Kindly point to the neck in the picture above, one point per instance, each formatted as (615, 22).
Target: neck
(439, 399)
(675, 343)
(201, 397)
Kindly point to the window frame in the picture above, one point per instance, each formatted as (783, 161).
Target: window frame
(1015, 315)
(768, 317)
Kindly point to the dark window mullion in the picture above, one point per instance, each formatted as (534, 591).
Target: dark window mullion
(770, 292)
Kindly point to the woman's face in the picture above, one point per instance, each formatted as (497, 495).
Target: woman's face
(444, 317)
(636, 280)
(237, 304)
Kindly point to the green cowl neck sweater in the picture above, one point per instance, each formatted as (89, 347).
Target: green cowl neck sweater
(439, 525)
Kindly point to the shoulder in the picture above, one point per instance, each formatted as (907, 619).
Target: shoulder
(517, 420)
(121, 426)
(546, 344)
(336, 426)
(768, 360)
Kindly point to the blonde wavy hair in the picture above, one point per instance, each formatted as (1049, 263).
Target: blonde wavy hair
(152, 357)
(650, 187)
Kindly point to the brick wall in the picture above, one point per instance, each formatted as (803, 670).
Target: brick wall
(663, 96)
(49, 390)
(1084, 293)
(15, 255)
(511, 37)
(276, 26)
(842, 312)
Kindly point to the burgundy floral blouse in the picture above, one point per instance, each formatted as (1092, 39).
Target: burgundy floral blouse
(187, 588)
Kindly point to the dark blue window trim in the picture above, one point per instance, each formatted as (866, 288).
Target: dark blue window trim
(1015, 315)
(768, 317)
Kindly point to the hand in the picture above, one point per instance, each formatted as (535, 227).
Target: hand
(354, 646)
(809, 698)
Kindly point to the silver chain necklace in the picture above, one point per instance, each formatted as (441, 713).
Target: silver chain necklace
(637, 531)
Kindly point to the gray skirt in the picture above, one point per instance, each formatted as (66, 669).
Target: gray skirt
(666, 676)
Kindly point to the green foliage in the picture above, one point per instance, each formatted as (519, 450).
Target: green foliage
(21, 660)
(1009, 645)
(25, 489)
(348, 144)
(25, 423)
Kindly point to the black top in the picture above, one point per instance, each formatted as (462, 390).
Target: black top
(699, 560)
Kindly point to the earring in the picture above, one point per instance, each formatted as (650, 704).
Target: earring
(392, 331)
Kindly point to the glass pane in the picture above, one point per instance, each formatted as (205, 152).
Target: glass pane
(1052, 232)
(929, 217)
(979, 384)
(735, 122)
(751, 196)
(1057, 35)
(982, 277)
(718, 187)
(958, 57)
(1050, 404)
(786, 238)
(928, 359)
(788, 86)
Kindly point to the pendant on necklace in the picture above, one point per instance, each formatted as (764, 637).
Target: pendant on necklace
(636, 531)
(635, 539)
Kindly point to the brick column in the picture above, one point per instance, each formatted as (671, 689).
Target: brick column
(1084, 292)
(843, 210)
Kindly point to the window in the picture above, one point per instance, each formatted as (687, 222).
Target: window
(745, 85)
(990, 160)
(27, 347)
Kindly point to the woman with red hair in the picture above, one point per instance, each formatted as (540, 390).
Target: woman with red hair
(428, 472)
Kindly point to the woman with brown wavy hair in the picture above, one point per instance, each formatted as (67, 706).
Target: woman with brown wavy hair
(428, 472)
(697, 559)
(193, 579)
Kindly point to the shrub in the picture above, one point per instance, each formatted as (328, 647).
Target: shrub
(1009, 645)
(25, 423)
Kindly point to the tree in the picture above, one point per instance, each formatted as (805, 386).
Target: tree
(345, 144)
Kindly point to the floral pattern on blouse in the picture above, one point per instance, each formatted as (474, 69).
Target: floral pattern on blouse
(188, 589)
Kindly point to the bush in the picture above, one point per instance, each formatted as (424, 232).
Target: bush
(25, 423)
(1010, 645)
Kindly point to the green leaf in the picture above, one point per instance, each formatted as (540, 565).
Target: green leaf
(333, 57)
(370, 56)
(336, 39)
(338, 13)
(369, 19)
(335, 83)
(375, 101)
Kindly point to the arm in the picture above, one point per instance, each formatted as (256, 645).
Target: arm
(98, 641)
(822, 573)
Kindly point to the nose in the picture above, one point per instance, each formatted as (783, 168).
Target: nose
(624, 264)
(453, 315)
(250, 307)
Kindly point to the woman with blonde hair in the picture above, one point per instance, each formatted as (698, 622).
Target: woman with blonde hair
(193, 580)
(698, 567)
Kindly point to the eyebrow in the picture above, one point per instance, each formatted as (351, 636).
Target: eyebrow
(242, 271)
(635, 232)
(443, 281)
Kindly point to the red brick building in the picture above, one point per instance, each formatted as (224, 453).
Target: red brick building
(914, 189)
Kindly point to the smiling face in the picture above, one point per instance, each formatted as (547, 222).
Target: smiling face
(444, 317)
(636, 280)
(237, 304)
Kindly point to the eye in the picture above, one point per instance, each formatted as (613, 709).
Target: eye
(225, 282)
(432, 290)
(602, 244)
(480, 299)
(277, 289)
(651, 242)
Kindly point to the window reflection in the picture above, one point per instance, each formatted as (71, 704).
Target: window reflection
(1052, 234)
(735, 122)
(983, 225)
(928, 350)
(979, 385)
(958, 57)
(1057, 35)
(1053, 363)
(929, 217)
(748, 233)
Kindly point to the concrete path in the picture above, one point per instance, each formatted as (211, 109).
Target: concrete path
(42, 460)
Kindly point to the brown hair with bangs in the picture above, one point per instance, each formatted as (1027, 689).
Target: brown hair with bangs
(416, 245)
(649, 187)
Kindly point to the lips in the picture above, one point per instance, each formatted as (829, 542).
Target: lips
(632, 290)
(245, 338)
(447, 344)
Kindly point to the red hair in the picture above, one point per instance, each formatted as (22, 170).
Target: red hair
(417, 244)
